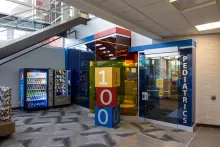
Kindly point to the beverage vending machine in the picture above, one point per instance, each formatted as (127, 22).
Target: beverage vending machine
(62, 87)
(34, 88)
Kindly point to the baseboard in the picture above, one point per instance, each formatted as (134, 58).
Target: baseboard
(176, 126)
(122, 117)
(15, 108)
(207, 125)
(83, 108)
(129, 118)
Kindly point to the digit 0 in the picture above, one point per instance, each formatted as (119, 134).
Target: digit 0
(106, 116)
(102, 98)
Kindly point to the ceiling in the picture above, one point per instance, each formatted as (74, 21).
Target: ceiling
(155, 18)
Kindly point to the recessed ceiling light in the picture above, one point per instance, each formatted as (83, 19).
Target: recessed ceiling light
(208, 26)
(102, 48)
(98, 44)
(172, 1)
(106, 51)
(112, 58)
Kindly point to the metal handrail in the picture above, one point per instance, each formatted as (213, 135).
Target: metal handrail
(56, 19)
(34, 6)
(28, 17)
(22, 12)
(34, 49)
(44, 12)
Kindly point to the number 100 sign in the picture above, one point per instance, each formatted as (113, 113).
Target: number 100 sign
(107, 77)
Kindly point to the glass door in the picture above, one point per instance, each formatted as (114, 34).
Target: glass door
(159, 83)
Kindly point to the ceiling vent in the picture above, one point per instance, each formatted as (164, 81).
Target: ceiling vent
(187, 4)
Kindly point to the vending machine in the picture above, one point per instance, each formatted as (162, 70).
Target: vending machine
(62, 87)
(34, 88)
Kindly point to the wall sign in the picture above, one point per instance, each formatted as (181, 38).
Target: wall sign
(160, 93)
(186, 104)
(184, 88)
(159, 83)
(144, 96)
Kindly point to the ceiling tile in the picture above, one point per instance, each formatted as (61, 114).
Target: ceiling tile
(158, 9)
(210, 31)
(166, 34)
(159, 30)
(186, 4)
(201, 12)
(156, 29)
(134, 15)
(140, 3)
(206, 19)
(95, 1)
(172, 20)
(117, 6)
(146, 23)
(185, 31)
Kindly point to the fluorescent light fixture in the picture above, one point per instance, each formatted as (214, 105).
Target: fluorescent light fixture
(106, 51)
(110, 55)
(112, 58)
(102, 48)
(172, 1)
(98, 44)
(208, 26)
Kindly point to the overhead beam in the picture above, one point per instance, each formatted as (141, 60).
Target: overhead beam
(110, 16)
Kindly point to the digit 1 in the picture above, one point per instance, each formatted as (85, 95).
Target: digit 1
(103, 77)
(116, 78)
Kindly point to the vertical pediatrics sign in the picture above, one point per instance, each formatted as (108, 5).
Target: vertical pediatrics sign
(186, 102)
(107, 112)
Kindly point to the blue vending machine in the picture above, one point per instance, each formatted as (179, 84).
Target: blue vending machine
(34, 89)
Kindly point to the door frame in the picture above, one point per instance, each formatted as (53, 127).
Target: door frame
(155, 52)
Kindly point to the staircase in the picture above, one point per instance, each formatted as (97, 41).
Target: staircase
(39, 29)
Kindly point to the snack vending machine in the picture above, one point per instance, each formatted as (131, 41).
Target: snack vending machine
(34, 88)
(62, 87)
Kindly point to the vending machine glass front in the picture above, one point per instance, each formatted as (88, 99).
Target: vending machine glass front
(60, 83)
(36, 89)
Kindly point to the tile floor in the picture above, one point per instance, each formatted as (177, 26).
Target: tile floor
(71, 127)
